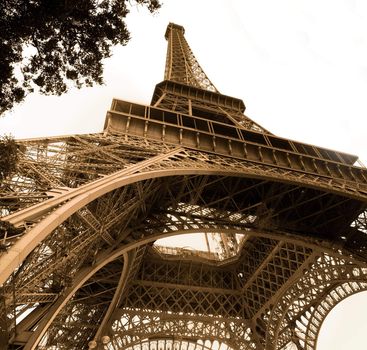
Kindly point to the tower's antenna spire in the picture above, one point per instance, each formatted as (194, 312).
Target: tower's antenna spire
(181, 64)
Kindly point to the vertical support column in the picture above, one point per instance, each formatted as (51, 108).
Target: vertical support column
(3, 323)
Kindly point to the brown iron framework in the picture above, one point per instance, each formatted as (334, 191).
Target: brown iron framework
(78, 269)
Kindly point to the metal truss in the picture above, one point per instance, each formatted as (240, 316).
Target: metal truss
(131, 326)
(302, 308)
(81, 215)
(156, 206)
(187, 88)
(188, 203)
(181, 64)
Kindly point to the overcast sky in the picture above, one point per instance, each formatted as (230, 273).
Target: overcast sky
(300, 67)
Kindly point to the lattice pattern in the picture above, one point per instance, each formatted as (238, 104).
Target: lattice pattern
(48, 167)
(301, 309)
(175, 101)
(186, 273)
(280, 265)
(308, 326)
(184, 200)
(172, 344)
(187, 300)
(131, 327)
(78, 321)
(181, 64)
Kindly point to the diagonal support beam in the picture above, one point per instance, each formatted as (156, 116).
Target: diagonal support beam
(131, 263)
(130, 258)
(72, 201)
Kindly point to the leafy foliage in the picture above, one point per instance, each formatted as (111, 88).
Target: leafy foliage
(8, 156)
(50, 44)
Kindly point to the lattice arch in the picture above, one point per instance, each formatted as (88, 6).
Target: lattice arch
(317, 314)
(171, 162)
(133, 328)
(300, 312)
(172, 344)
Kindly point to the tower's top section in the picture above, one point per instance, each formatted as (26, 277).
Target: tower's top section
(173, 26)
(187, 89)
(181, 64)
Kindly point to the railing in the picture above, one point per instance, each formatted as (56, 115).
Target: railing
(203, 134)
(187, 252)
(208, 126)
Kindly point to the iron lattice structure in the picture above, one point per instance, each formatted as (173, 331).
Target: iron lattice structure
(78, 267)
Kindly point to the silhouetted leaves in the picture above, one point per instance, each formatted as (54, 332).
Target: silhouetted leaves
(48, 44)
(8, 156)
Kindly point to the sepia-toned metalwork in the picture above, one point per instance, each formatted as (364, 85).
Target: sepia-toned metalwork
(79, 266)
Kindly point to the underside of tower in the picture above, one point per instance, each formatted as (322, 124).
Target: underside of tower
(82, 265)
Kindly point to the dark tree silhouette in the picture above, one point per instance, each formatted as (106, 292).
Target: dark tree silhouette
(51, 44)
(8, 156)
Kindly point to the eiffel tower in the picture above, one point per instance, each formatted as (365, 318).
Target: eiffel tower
(81, 266)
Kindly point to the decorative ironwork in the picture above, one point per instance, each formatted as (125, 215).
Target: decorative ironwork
(78, 268)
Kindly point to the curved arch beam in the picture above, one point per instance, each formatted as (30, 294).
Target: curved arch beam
(74, 199)
(340, 274)
(129, 259)
(186, 328)
(107, 257)
(19, 251)
(158, 338)
(83, 276)
(87, 273)
(312, 336)
(69, 203)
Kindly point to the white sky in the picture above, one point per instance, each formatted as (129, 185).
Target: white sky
(299, 65)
